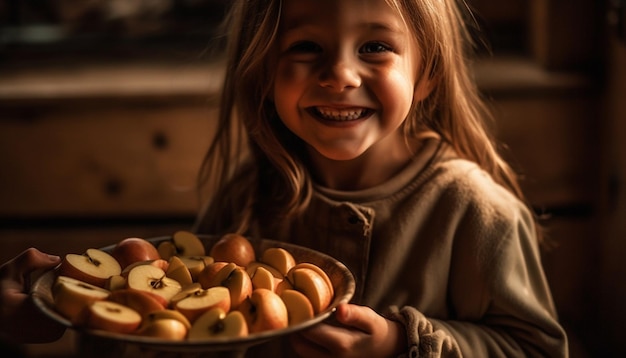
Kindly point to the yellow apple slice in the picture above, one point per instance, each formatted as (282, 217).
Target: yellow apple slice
(263, 278)
(216, 323)
(165, 328)
(195, 264)
(207, 275)
(320, 272)
(94, 266)
(236, 280)
(299, 308)
(72, 296)
(115, 282)
(203, 300)
(264, 310)
(255, 264)
(185, 292)
(179, 271)
(182, 243)
(152, 279)
(167, 313)
(279, 258)
(113, 317)
(141, 301)
(314, 287)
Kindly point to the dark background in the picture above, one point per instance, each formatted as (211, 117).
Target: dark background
(106, 106)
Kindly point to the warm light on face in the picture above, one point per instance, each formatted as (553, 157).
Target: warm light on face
(345, 77)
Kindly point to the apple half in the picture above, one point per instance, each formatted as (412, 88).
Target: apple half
(217, 323)
(94, 266)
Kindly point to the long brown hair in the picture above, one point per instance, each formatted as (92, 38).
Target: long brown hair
(247, 122)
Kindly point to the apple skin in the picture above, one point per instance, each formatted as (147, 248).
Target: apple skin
(71, 297)
(263, 278)
(113, 317)
(164, 328)
(264, 310)
(182, 243)
(141, 301)
(134, 249)
(237, 280)
(177, 270)
(311, 284)
(167, 313)
(207, 275)
(233, 248)
(319, 272)
(279, 258)
(203, 300)
(299, 308)
(152, 279)
(216, 323)
(94, 266)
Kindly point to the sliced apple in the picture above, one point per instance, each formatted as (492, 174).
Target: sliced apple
(182, 243)
(113, 317)
(233, 248)
(251, 268)
(264, 310)
(216, 323)
(94, 266)
(185, 292)
(179, 271)
(313, 285)
(167, 313)
(203, 300)
(263, 278)
(279, 258)
(236, 280)
(195, 264)
(141, 301)
(152, 279)
(160, 263)
(115, 282)
(165, 328)
(319, 271)
(299, 308)
(72, 296)
(207, 275)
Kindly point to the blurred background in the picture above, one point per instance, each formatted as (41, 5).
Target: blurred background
(106, 107)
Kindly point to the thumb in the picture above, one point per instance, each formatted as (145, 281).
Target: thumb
(26, 262)
(358, 317)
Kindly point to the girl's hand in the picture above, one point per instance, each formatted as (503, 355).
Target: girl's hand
(20, 320)
(360, 332)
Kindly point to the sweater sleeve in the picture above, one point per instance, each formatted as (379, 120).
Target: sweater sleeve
(515, 316)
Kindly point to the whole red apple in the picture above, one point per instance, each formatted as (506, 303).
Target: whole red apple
(134, 249)
(233, 248)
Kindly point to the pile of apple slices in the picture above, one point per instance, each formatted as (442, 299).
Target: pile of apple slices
(177, 290)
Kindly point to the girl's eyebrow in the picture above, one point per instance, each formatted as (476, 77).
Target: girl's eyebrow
(304, 22)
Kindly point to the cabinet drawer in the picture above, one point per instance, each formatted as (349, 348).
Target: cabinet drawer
(102, 159)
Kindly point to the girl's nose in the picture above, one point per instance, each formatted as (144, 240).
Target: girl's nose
(339, 74)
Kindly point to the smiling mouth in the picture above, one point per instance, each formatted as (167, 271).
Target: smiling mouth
(341, 115)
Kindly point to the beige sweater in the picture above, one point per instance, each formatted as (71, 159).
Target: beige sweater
(443, 249)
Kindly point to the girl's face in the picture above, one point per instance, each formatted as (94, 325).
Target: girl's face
(347, 74)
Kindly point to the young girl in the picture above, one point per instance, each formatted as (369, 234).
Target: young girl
(364, 139)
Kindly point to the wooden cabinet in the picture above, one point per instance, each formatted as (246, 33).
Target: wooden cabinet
(108, 153)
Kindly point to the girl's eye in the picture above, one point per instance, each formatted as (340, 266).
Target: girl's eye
(305, 47)
(374, 47)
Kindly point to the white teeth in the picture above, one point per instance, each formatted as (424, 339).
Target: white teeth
(340, 115)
